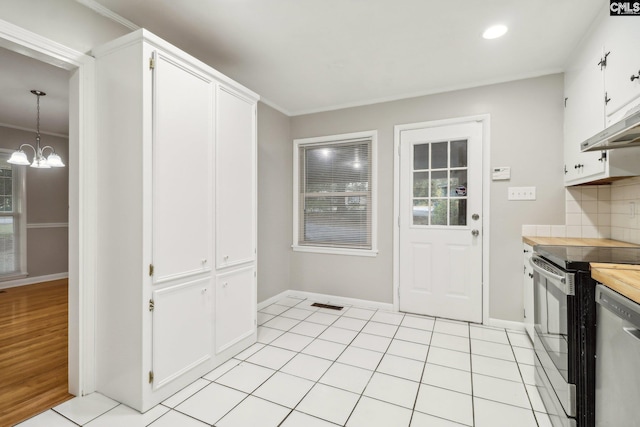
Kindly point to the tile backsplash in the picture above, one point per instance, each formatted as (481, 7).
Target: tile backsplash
(598, 211)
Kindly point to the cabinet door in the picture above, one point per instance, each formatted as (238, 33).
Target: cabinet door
(235, 178)
(235, 307)
(182, 157)
(182, 329)
(528, 291)
(622, 63)
(583, 117)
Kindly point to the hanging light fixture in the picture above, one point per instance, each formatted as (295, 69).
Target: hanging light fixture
(19, 157)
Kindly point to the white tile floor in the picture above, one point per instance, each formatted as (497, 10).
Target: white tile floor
(315, 367)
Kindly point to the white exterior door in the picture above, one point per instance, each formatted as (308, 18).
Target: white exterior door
(440, 245)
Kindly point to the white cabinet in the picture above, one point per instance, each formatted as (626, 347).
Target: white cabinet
(236, 220)
(599, 91)
(161, 140)
(235, 320)
(235, 179)
(528, 291)
(622, 73)
(182, 329)
(583, 116)
(182, 151)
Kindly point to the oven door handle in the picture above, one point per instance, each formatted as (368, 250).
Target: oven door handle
(539, 265)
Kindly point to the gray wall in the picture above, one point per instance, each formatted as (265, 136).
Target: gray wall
(526, 134)
(275, 200)
(64, 21)
(47, 192)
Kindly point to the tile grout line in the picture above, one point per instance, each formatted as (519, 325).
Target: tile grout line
(523, 383)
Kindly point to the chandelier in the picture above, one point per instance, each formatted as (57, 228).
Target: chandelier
(19, 157)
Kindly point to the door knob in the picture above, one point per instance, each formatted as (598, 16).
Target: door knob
(475, 233)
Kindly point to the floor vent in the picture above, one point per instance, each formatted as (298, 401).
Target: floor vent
(329, 306)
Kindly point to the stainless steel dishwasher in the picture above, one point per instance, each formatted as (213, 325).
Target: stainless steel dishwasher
(617, 360)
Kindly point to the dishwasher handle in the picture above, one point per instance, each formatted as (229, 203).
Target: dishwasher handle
(634, 332)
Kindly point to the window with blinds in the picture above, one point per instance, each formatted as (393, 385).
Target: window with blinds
(11, 227)
(335, 193)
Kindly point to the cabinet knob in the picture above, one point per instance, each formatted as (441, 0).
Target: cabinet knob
(204, 261)
(226, 258)
(634, 77)
(225, 284)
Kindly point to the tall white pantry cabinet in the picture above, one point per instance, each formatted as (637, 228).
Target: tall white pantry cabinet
(176, 195)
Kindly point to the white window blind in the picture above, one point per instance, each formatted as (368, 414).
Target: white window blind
(335, 193)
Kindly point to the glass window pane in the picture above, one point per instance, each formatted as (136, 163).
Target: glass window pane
(337, 168)
(439, 184)
(458, 212)
(459, 154)
(421, 184)
(5, 204)
(7, 245)
(439, 155)
(458, 183)
(421, 156)
(421, 212)
(439, 212)
(339, 221)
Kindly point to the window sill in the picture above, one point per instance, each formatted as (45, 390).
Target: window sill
(336, 251)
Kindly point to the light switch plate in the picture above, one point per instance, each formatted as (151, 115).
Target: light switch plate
(522, 193)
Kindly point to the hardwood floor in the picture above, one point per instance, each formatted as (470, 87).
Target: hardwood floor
(33, 349)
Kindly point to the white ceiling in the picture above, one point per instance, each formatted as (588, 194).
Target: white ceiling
(20, 74)
(312, 55)
(304, 56)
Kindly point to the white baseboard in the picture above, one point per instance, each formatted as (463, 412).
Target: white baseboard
(506, 324)
(327, 299)
(335, 300)
(32, 280)
(272, 300)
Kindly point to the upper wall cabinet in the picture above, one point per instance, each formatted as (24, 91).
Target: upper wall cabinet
(235, 178)
(622, 71)
(599, 90)
(176, 178)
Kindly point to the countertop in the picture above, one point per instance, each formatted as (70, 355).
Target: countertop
(624, 279)
(572, 241)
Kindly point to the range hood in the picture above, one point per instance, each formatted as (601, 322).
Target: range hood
(625, 133)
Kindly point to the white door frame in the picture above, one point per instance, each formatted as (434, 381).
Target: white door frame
(82, 164)
(486, 188)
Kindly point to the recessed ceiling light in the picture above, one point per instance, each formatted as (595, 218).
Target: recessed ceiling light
(495, 31)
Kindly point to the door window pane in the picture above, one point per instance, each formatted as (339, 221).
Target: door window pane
(439, 212)
(421, 156)
(459, 154)
(458, 212)
(458, 183)
(421, 212)
(421, 184)
(439, 155)
(440, 186)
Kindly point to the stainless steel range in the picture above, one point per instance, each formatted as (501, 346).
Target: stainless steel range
(565, 328)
